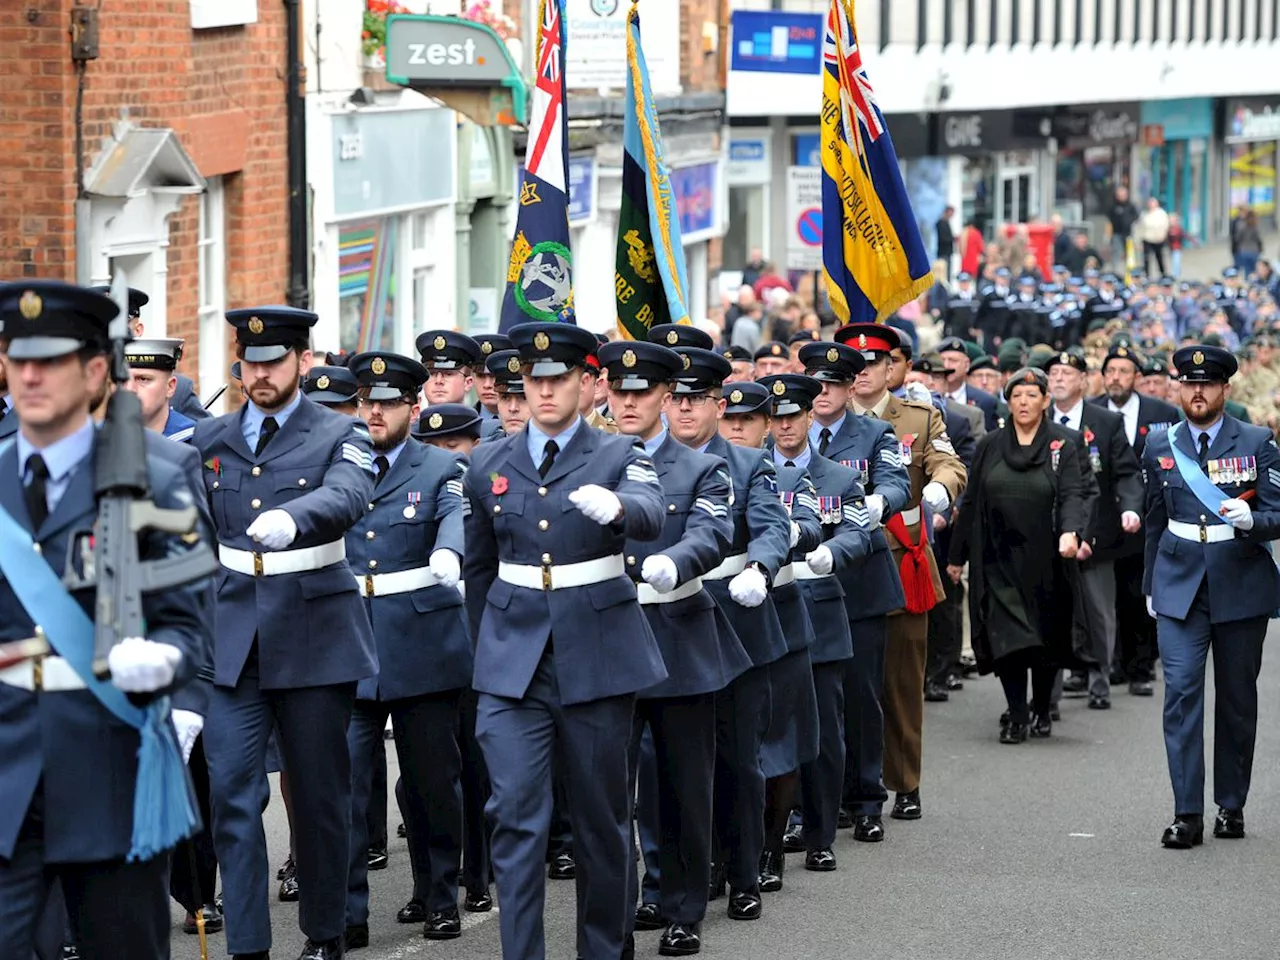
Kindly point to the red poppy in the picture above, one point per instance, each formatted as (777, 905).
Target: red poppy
(1166, 463)
(1055, 444)
(500, 484)
(215, 465)
(1142, 430)
(1088, 435)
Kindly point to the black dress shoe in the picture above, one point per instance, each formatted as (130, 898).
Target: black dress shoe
(322, 949)
(1004, 720)
(401, 831)
(844, 821)
(478, 901)
(562, 867)
(820, 861)
(1099, 703)
(377, 858)
(1185, 832)
(1142, 688)
(953, 683)
(1042, 725)
(289, 883)
(1229, 824)
(285, 868)
(415, 911)
(71, 952)
(1013, 733)
(715, 889)
(745, 905)
(445, 925)
(1075, 683)
(680, 940)
(968, 668)
(213, 920)
(868, 828)
(906, 806)
(771, 865)
(357, 936)
(257, 955)
(1055, 713)
(649, 917)
(935, 694)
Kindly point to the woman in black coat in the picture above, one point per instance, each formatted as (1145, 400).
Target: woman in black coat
(1025, 512)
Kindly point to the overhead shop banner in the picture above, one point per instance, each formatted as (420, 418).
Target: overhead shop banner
(596, 58)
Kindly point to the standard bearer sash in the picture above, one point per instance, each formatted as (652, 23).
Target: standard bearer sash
(1200, 485)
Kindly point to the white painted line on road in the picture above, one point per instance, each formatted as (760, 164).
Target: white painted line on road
(469, 922)
(1086, 836)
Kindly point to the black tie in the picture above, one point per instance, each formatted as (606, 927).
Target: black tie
(37, 491)
(789, 463)
(548, 458)
(824, 440)
(1064, 419)
(382, 464)
(269, 428)
(1204, 450)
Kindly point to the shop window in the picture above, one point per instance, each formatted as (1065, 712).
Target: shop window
(367, 284)
(1253, 180)
(211, 283)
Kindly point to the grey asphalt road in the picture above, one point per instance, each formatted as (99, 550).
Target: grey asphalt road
(1044, 851)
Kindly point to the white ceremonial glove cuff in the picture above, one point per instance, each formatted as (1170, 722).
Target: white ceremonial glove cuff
(138, 665)
(597, 503)
(188, 725)
(1237, 513)
(820, 560)
(660, 573)
(445, 567)
(795, 533)
(875, 508)
(749, 588)
(936, 496)
(275, 529)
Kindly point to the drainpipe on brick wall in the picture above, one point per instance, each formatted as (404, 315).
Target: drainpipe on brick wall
(299, 292)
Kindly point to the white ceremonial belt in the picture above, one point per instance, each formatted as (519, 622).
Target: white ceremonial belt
(729, 567)
(1213, 533)
(50, 674)
(786, 574)
(561, 576)
(647, 595)
(270, 564)
(910, 517)
(402, 581)
(806, 572)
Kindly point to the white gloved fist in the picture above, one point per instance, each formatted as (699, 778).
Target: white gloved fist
(820, 560)
(1151, 609)
(445, 567)
(795, 533)
(660, 573)
(1130, 522)
(597, 503)
(1237, 513)
(188, 726)
(919, 393)
(875, 507)
(275, 529)
(749, 588)
(143, 666)
(936, 496)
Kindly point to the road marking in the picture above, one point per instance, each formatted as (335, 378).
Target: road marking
(469, 922)
(1086, 836)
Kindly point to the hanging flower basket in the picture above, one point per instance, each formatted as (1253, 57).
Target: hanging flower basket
(373, 36)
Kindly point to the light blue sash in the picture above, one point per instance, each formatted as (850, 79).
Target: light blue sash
(1200, 485)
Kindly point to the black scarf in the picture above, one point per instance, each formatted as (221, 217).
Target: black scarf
(1023, 458)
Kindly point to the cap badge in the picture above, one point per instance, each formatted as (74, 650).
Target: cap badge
(486, 347)
(379, 366)
(439, 343)
(31, 306)
(833, 355)
(541, 341)
(779, 388)
(322, 383)
(672, 337)
(1197, 358)
(1029, 377)
(435, 422)
(862, 341)
(1122, 352)
(776, 350)
(513, 365)
(735, 397)
(628, 358)
(687, 362)
(255, 326)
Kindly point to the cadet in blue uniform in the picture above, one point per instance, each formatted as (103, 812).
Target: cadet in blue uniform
(761, 546)
(1213, 503)
(832, 577)
(153, 363)
(486, 390)
(286, 479)
(679, 335)
(424, 652)
(792, 736)
(562, 645)
(508, 382)
(450, 426)
(67, 764)
(450, 358)
(701, 652)
(332, 387)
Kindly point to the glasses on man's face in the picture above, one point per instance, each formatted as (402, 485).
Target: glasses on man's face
(693, 399)
(387, 404)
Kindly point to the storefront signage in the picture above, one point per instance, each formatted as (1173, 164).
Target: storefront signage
(1248, 121)
(806, 150)
(749, 161)
(444, 50)
(695, 191)
(1096, 126)
(770, 42)
(1185, 119)
(987, 131)
(596, 58)
(582, 189)
(804, 218)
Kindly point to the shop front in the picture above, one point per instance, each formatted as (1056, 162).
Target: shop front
(749, 173)
(385, 252)
(1173, 159)
(1250, 136)
(1094, 159)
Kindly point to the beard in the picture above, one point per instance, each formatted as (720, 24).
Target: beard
(393, 438)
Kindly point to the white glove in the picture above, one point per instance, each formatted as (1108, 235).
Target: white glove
(875, 508)
(445, 567)
(660, 573)
(919, 393)
(820, 560)
(1130, 522)
(142, 666)
(188, 725)
(597, 503)
(795, 533)
(275, 529)
(1151, 609)
(749, 588)
(1237, 513)
(936, 496)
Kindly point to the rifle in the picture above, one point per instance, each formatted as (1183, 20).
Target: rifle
(125, 510)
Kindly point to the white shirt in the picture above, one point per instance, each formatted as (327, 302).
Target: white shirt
(1072, 416)
(960, 395)
(1130, 413)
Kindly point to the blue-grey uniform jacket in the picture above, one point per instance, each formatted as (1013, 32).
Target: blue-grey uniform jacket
(799, 498)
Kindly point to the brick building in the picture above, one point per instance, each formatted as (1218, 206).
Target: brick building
(180, 179)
